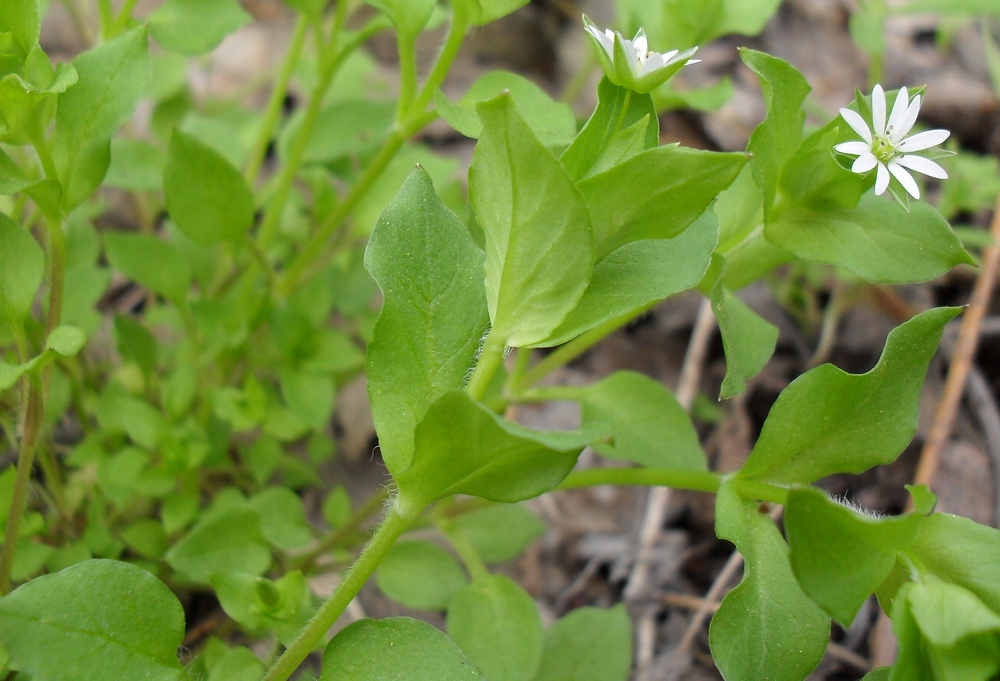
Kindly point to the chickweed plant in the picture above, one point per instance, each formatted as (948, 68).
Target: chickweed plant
(160, 451)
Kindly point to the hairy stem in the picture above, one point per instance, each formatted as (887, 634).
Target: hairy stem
(489, 362)
(337, 537)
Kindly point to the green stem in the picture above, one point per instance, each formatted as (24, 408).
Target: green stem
(107, 13)
(407, 75)
(261, 257)
(19, 497)
(465, 550)
(393, 525)
(337, 537)
(489, 362)
(57, 272)
(699, 481)
(621, 116)
(277, 100)
(452, 44)
(124, 17)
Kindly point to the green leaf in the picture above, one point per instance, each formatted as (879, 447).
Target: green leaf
(136, 343)
(220, 542)
(539, 247)
(420, 575)
(194, 27)
(66, 340)
(12, 178)
(552, 122)
(878, 240)
(309, 396)
(481, 12)
(260, 605)
(828, 421)
(464, 448)
(880, 674)
(601, 133)
(208, 199)
(638, 273)
(408, 16)
(813, 179)
(748, 340)
(656, 194)
(10, 373)
(497, 626)
(150, 262)
(961, 552)
(776, 139)
(588, 644)
(22, 266)
(147, 538)
(500, 532)
(337, 507)
(22, 19)
(840, 556)
(282, 518)
(433, 314)
(765, 628)
(96, 616)
(649, 425)
(343, 129)
(398, 647)
(219, 662)
(135, 165)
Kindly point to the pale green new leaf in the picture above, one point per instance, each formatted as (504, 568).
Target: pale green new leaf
(66, 340)
(194, 27)
(22, 266)
(748, 339)
(22, 19)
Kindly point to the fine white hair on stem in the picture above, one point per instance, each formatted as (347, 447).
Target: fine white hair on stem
(856, 507)
(479, 353)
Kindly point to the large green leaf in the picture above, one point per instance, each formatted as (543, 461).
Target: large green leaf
(22, 19)
(878, 240)
(22, 266)
(748, 340)
(420, 575)
(464, 448)
(776, 139)
(395, 648)
(151, 262)
(433, 314)
(539, 247)
(588, 644)
(208, 199)
(765, 628)
(650, 427)
(194, 27)
(96, 620)
(828, 421)
(656, 194)
(496, 624)
(639, 273)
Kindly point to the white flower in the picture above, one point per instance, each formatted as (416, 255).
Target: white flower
(886, 145)
(630, 64)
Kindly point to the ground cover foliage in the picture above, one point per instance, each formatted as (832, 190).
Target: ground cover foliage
(167, 451)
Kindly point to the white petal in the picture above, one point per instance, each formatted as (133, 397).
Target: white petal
(857, 124)
(878, 111)
(907, 121)
(864, 163)
(898, 110)
(667, 56)
(881, 180)
(905, 179)
(652, 63)
(854, 149)
(922, 165)
(605, 38)
(924, 140)
(641, 46)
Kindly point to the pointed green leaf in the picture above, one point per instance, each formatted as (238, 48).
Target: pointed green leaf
(497, 626)
(765, 628)
(539, 247)
(194, 27)
(776, 139)
(96, 616)
(433, 314)
(588, 644)
(150, 262)
(747, 338)
(878, 240)
(208, 199)
(22, 266)
(464, 448)
(10, 374)
(828, 421)
(398, 647)
(66, 340)
(420, 575)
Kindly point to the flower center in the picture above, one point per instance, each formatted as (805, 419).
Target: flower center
(883, 149)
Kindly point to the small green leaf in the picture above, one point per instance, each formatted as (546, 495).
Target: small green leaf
(496, 624)
(962, 552)
(337, 507)
(813, 179)
(150, 262)
(282, 518)
(135, 165)
(216, 544)
(552, 122)
(96, 616)
(147, 538)
(195, 27)
(208, 199)
(22, 266)
(539, 246)
(349, 128)
(588, 644)
(12, 178)
(22, 19)
(748, 340)
(433, 314)
(9, 375)
(66, 340)
(481, 12)
(398, 647)
(136, 343)
(776, 139)
(260, 605)
(828, 421)
(765, 628)
(878, 240)
(464, 448)
(222, 663)
(649, 425)
(408, 16)
(420, 575)
(309, 396)
(500, 532)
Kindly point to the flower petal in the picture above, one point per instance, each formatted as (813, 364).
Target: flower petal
(878, 111)
(905, 124)
(922, 165)
(924, 140)
(641, 45)
(905, 179)
(857, 124)
(854, 148)
(881, 180)
(653, 62)
(898, 110)
(864, 163)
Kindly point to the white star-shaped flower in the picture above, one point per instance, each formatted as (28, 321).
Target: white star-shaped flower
(630, 64)
(886, 144)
